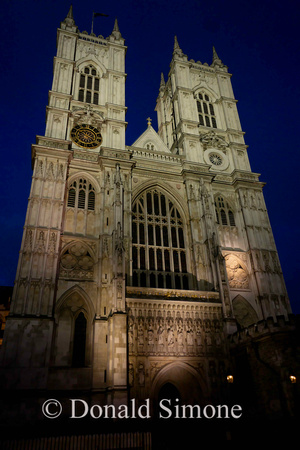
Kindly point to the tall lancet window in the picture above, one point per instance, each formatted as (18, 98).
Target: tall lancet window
(158, 243)
(224, 213)
(89, 82)
(206, 111)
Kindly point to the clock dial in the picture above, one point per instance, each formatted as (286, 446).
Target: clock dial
(86, 136)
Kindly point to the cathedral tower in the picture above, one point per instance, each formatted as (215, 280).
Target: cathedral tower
(70, 287)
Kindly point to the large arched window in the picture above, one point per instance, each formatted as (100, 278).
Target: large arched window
(158, 243)
(224, 213)
(89, 85)
(206, 111)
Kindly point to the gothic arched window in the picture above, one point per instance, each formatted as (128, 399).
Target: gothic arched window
(206, 111)
(158, 243)
(89, 85)
(81, 214)
(81, 195)
(224, 212)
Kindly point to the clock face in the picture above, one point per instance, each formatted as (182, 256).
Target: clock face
(86, 136)
(215, 159)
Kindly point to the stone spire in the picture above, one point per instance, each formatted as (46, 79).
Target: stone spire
(216, 59)
(177, 50)
(69, 22)
(116, 31)
(162, 81)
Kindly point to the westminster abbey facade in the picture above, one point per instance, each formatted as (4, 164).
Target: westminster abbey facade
(145, 270)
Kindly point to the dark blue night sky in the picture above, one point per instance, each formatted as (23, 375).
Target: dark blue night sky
(259, 42)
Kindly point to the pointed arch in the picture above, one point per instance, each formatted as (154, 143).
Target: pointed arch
(244, 313)
(165, 188)
(225, 212)
(91, 60)
(74, 315)
(86, 176)
(77, 260)
(80, 294)
(204, 88)
(188, 381)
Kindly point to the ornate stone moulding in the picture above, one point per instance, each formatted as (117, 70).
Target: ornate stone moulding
(172, 294)
(156, 156)
(115, 153)
(83, 154)
(245, 175)
(53, 142)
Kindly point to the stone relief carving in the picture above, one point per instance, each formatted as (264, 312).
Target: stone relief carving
(212, 140)
(237, 275)
(173, 332)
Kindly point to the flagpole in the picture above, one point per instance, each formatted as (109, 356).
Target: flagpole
(92, 29)
(96, 15)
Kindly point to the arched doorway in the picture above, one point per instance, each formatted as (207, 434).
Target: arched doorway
(181, 381)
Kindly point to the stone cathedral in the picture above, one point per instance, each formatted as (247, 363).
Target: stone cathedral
(145, 270)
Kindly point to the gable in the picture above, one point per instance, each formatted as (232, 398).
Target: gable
(151, 141)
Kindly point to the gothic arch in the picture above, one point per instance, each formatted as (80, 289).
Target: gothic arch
(166, 189)
(85, 244)
(60, 304)
(77, 260)
(243, 312)
(70, 306)
(81, 63)
(228, 200)
(203, 88)
(86, 175)
(225, 210)
(187, 380)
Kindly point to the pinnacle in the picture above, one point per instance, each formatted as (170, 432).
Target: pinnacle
(162, 80)
(70, 13)
(177, 50)
(216, 59)
(69, 20)
(176, 45)
(116, 31)
(116, 25)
